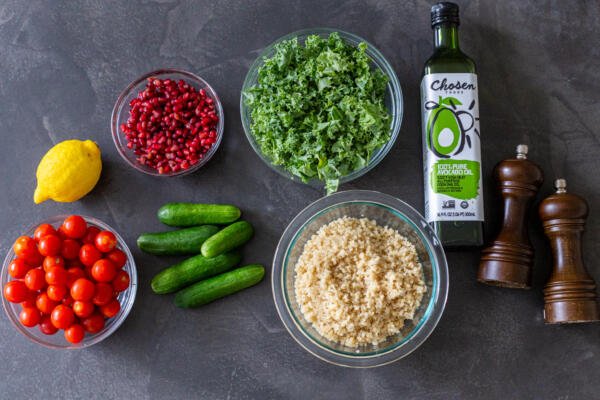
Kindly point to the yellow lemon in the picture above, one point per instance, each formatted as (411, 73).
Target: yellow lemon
(68, 171)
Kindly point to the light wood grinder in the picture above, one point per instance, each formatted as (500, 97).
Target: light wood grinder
(570, 294)
(508, 261)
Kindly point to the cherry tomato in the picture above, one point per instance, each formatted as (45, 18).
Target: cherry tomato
(117, 257)
(94, 323)
(68, 301)
(18, 268)
(35, 279)
(57, 292)
(121, 281)
(83, 309)
(57, 276)
(62, 316)
(61, 233)
(73, 274)
(74, 227)
(30, 300)
(88, 254)
(75, 333)
(104, 270)
(35, 260)
(30, 316)
(46, 326)
(83, 289)
(105, 241)
(56, 261)
(44, 303)
(104, 294)
(70, 249)
(16, 291)
(49, 245)
(43, 230)
(90, 235)
(24, 246)
(111, 309)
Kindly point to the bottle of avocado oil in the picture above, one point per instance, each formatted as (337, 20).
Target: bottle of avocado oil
(451, 136)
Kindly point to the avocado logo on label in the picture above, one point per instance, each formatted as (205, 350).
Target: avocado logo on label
(448, 127)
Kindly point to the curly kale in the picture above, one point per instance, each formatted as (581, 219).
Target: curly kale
(318, 109)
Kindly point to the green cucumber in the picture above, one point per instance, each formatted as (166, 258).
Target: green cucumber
(190, 214)
(183, 241)
(219, 286)
(191, 271)
(227, 239)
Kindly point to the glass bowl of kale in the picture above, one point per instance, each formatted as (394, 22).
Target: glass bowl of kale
(321, 106)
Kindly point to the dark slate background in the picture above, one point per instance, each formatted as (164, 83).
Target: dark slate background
(63, 65)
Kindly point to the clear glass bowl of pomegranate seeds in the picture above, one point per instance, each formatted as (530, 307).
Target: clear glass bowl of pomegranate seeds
(167, 123)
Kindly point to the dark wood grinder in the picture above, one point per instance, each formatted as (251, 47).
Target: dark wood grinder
(570, 294)
(508, 261)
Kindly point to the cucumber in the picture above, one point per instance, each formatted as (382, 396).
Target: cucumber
(190, 214)
(219, 286)
(227, 239)
(192, 270)
(183, 241)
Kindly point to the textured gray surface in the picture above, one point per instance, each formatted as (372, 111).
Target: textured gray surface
(63, 64)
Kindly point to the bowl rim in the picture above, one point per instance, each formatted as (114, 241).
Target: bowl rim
(121, 104)
(434, 309)
(89, 340)
(393, 87)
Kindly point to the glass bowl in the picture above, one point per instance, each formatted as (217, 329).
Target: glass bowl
(387, 211)
(57, 341)
(120, 114)
(393, 100)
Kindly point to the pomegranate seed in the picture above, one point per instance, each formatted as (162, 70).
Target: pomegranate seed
(171, 125)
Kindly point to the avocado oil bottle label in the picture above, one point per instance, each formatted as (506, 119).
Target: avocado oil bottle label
(451, 147)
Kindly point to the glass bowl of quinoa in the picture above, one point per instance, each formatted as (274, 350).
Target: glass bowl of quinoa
(321, 106)
(359, 279)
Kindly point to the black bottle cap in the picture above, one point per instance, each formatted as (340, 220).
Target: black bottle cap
(444, 11)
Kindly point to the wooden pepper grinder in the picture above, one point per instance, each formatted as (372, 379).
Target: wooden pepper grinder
(507, 262)
(570, 294)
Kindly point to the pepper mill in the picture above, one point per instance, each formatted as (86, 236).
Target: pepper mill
(507, 262)
(570, 294)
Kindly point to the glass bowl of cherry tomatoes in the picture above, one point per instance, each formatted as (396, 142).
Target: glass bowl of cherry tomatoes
(68, 282)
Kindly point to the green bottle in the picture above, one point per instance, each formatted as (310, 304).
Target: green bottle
(451, 136)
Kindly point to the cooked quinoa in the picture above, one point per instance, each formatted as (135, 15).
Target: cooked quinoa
(357, 281)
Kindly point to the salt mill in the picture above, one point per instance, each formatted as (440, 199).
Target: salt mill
(508, 261)
(570, 293)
